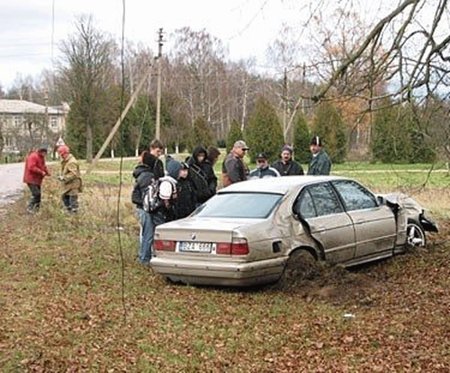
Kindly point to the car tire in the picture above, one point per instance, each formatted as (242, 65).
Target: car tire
(415, 235)
(300, 266)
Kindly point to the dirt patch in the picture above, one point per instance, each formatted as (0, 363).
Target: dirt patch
(337, 285)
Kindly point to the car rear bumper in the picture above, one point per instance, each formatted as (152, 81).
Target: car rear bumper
(197, 272)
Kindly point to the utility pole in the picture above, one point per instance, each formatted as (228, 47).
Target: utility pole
(158, 87)
(286, 105)
(120, 120)
(46, 128)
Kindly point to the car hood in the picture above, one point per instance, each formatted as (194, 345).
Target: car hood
(405, 202)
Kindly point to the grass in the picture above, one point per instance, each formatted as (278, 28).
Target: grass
(62, 310)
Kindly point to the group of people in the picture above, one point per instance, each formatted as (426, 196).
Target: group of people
(70, 178)
(180, 190)
(235, 170)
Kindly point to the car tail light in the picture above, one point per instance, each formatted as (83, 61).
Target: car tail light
(238, 246)
(164, 245)
(223, 248)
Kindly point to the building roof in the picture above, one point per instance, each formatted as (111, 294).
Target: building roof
(24, 107)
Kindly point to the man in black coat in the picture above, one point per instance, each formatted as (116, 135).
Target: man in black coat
(320, 162)
(286, 166)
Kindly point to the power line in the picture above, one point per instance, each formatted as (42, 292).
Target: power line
(249, 23)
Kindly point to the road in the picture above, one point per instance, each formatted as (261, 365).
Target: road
(11, 184)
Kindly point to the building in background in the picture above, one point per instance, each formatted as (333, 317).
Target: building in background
(25, 125)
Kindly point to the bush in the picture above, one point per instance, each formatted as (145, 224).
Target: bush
(264, 132)
(302, 137)
(328, 125)
(234, 134)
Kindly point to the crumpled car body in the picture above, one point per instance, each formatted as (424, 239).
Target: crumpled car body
(247, 234)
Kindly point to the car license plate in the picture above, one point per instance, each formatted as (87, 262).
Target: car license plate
(195, 247)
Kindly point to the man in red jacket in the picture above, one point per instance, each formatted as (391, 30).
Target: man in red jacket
(35, 171)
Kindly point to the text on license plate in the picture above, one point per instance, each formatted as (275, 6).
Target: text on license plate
(198, 247)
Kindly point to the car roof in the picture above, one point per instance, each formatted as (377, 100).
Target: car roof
(279, 185)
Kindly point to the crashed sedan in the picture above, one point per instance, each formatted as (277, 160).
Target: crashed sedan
(258, 231)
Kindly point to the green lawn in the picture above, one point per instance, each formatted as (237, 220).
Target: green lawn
(65, 306)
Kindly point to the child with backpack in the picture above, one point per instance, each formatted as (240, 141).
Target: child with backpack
(144, 177)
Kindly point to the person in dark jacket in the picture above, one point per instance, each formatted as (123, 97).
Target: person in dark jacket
(156, 150)
(144, 176)
(211, 159)
(286, 166)
(186, 201)
(198, 168)
(35, 171)
(233, 167)
(263, 170)
(320, 163)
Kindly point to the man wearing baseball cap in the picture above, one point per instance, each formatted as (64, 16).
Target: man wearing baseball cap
(320, 163)
(233, 167)
(263, 169)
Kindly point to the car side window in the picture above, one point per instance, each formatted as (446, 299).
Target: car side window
(304, 206)
(355, 196)
(324, 199)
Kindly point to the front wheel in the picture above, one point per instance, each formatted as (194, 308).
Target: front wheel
(415, 235)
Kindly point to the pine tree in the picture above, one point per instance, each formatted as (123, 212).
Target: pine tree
(397, 138)
(201, 134)
(234, 134)
(302, 137)
(328, 125)
(264, 133)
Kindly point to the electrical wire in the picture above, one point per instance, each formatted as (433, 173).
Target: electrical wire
(122, 99)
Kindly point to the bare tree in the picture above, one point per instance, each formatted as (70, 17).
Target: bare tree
(86, 73)
(199, 60)
(405, 51)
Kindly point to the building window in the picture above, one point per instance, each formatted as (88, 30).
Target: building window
(17, 120)
(54, 122)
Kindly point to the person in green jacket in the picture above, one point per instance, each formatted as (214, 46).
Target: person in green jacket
(320, 163)
(70, 179)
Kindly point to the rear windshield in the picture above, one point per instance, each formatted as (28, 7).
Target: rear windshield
(240, 205)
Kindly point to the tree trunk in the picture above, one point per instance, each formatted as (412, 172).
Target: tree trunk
(89, 140)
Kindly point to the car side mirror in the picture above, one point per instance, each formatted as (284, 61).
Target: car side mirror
(381, 200)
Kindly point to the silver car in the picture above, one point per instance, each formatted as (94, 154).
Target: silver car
(258, 231)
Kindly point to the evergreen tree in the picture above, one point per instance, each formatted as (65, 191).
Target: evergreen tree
(264, 133)
(328, 125)
(138, 128)
(234, 134)
(302, 137)
(397, 137)
(201, 134)
(382, 146)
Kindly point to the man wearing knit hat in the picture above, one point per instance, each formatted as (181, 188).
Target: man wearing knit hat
(70, 179)
(286, 166)
(320, 163)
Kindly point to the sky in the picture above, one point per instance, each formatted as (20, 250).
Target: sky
(31, 31)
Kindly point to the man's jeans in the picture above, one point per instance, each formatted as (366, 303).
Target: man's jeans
(148, 224)
(35, 201)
